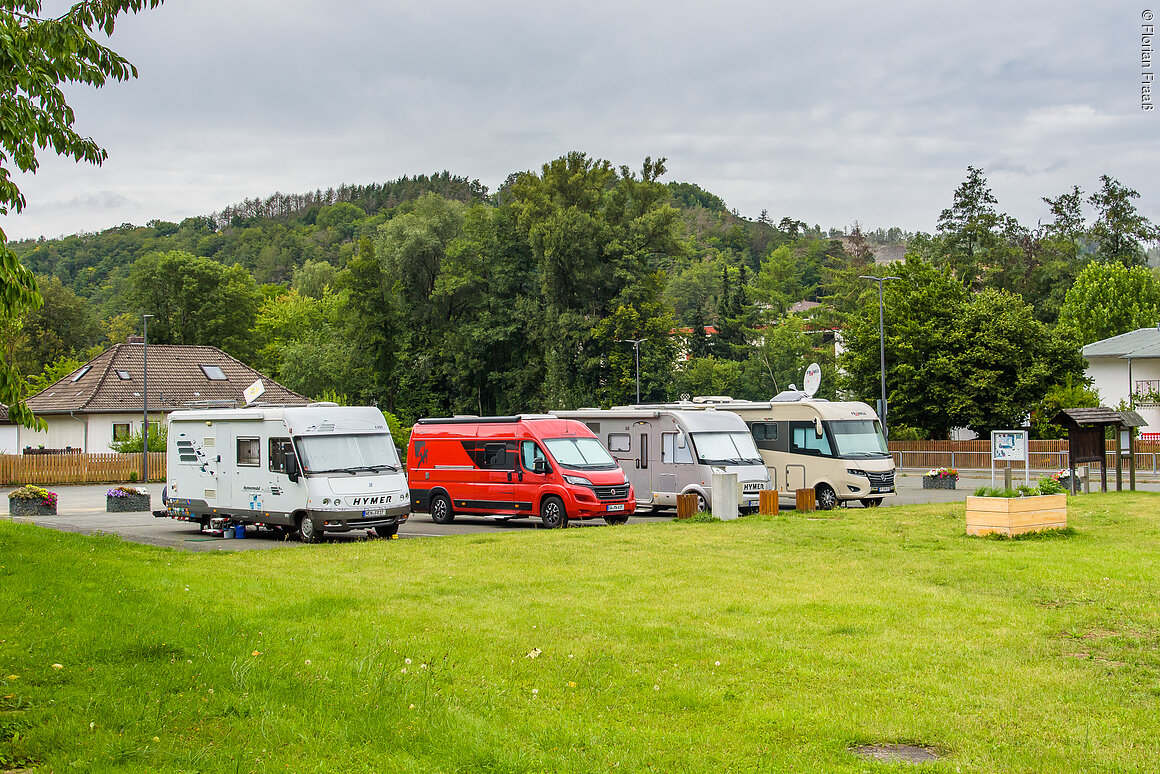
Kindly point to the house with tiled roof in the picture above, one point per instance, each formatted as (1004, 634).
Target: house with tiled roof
(104, 399)
(1126, 368)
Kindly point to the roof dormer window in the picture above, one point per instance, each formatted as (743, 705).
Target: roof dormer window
(81, 373)
(213, 373)
(124, 376)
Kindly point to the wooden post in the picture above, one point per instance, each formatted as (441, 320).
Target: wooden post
(686, 505)
(768, 503)
(806, 500)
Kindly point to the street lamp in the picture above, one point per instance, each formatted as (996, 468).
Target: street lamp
(145, 403)
(636, 346)
(881, 347)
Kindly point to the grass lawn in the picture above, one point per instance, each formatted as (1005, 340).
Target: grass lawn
(765, 644)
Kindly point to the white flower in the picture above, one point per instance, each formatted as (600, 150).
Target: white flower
(406, 661)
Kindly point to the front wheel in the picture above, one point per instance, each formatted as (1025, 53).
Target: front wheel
(552, 513)
(827, 498)
(441, 512)
(306, 531)
(388, 531)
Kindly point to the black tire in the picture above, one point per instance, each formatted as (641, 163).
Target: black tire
(553, 514)
(827, 498)
(440, 509)
(387, 531)
(614, 520)
(306, 531)
(871, 502)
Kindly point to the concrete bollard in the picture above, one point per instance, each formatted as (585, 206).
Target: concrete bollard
(726, 501)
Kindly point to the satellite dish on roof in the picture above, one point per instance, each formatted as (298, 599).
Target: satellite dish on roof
(813, 380)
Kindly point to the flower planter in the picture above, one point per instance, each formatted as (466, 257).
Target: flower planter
(126, 504)
(941, 482)
(1016, 515)
(18, 506)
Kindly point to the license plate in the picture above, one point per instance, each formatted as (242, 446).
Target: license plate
(750, 502)
(612, 508)
(375, 512)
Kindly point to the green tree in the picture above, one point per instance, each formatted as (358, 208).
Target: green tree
(955, 359)
(1120, 232)
(64, 326)
(971, 230)
(196, 301)
(1108, 299)
(1071, 393)
(37, 55)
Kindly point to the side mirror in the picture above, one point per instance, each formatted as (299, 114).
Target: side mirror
(818, 426)
(292, 468)
(540, 466)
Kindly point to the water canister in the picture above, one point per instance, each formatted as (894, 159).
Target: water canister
(227, 531)
(240, 531)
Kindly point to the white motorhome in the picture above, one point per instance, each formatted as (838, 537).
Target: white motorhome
(834, 448)
(665, 452)
(304, 469)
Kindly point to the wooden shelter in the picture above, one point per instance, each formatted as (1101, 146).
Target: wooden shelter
(1086, 428)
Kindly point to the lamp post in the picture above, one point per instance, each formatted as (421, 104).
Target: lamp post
(881, 348)
(636, 346)
(145, 402)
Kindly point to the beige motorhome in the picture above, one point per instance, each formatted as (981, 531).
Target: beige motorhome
(835, 448)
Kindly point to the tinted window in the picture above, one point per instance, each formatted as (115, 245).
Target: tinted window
(498, 456)
(280, 449)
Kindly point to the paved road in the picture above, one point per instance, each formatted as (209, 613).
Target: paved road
(82, 509)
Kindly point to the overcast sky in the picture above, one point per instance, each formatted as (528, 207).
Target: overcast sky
(828, 112)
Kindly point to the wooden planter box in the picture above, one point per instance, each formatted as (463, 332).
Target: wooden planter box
(127, 504)
(1016, 515)
(929, 482)
(18, 506)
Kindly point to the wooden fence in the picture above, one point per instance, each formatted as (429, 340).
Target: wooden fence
(976, 455)
(77, 468)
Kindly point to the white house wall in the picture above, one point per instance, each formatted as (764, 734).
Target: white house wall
(1110, 378)
(90, 433)
(9, 439)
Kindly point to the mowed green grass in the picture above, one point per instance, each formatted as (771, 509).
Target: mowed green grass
(765, 644)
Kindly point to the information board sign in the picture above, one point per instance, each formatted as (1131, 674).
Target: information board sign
(1010, 446)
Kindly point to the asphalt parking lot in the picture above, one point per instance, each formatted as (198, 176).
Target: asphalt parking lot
(82, 509)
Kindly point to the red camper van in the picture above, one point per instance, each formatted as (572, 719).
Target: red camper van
(513, 467)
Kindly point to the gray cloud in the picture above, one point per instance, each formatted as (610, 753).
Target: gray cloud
(829, 112)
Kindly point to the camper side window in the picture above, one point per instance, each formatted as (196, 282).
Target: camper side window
(498, 456)
(765, 435)
(280, 449)
(249, 452)
(619, 442)
(675, 449)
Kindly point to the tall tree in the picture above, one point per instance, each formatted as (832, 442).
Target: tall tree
(955, 359)
(37, 55)
(971, 229)
(1120, 232)
(196, 301)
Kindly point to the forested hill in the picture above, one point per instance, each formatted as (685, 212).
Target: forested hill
(431, 295)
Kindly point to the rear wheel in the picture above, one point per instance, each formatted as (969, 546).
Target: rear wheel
(441, 512)
(871, 502)
(388, 531)
(552, 513)
(827, 498)
(306, 531)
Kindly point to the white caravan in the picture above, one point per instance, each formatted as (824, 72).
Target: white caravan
(665, 453)
(835, 448)
(304, 469)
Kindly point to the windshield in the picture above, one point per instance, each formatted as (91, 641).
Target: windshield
(858, 438)
(726, 449)
(347, 453)
(580, 453)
